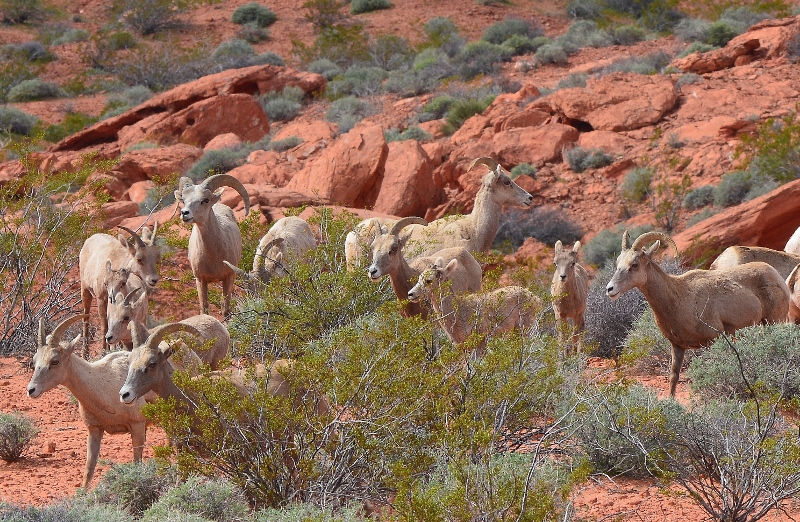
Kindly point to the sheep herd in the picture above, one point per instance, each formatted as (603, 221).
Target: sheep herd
(432, 271)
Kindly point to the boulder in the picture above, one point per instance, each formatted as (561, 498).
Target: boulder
(116, 211)
(308, 131)
(772, 35)
(223, 141)
(138, 191)
(406, 187)
(471, 130)
(609, 142)
(526, 118)
(347, 169)
(534, 145)
(264, 167)
(144, 164)
(702, 63)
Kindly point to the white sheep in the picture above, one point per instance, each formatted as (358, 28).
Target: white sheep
(793, 245)
(693, 308)
(501, 310)
(207, 328)
(288, 239)
(125, 306)
(475, 231)
(215, 235)
(794, 289)
(387, 259)
(98, 257)
(570, 289)
(95, 385)
(781, 261)
(357, 242)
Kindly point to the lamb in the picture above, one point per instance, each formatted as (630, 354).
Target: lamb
(501, 310)
(215, 235)
(99, 254)
(387, 259)
(783, 262)
(794, 290)
(289, 238)
(693, 308)
(475, 231)
(123, 307)
(94, 385)
(570, 289)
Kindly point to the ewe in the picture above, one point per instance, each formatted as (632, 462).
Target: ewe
(215, 235)
(387, 259)
(783, 262)
(357, 242)
(94, 385)
(99, 254)
(475, 231)
(570, 288)
(205, 327)
(693, 308)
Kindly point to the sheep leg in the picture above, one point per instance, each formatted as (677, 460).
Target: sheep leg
(92, 451)
(138, 438)
(675, 368)
(102, 311)
(86, 299)
(577, 336)
(227, 290)
(202, 293)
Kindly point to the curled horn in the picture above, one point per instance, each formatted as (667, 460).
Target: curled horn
(261, 251)
(626, 240)
(42, 335)
(55, 337)
(649, 237)
(484, 160)
(237, 270)
(212, 183)
(139, 242)
(158, 333)
(132, 296)
(403, 223)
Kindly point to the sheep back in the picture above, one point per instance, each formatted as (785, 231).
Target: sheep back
(783, 262)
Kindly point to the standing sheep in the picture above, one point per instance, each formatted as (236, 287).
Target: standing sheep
(215, 235)
(206, 327)
(357, 242)
(124, 308)
(98, 257)
(693, 308)
(570, 288)
(781, 261)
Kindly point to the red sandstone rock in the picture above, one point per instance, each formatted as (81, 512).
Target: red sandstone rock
(702, 63)
(115, 211)
(772, 35)
(138, 191)
(609, 142)
(223, 141)
(144, 164)
(534, 145)
(309, 132)
(407, 187)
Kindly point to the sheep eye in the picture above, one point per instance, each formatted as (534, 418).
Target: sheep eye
(126, 318)
(151, 365)
(507, 182)
(205, 201)
(54, 362)
(634, 266)
(393, 249)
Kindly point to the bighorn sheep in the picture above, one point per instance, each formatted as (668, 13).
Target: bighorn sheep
(215, 235)
(783, 262)
(124, 307)
(357, 242)
(288, 239)
(475, 231)
(98, 257)
(693, 308)
(794, 289)
(205, 327)
(570, 288)
(95, 385)
(501, 310)
(793, 245)
(387, 259)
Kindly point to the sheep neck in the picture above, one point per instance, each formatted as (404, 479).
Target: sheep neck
(209, 231)
(89, 386)
(443, 304)
(484, 220)
(401, 280)
(663, 292)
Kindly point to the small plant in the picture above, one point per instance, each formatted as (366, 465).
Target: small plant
(17, 432)
(499, 32)
(216, 500)
(733, 188)
(636, 184)
(324, 14)
(283, 105)
(462, 110)
(443, 34)
(285, 144)
(134, 486)
(411, 133)
(628, 35)
(523, 169)
(543, 224)
(150, 16)
(68, 510)
(16, 121)
(357, 81)
(254, 13)
(720, 33)
(367, 6)
(390, 52)
(551, 53)
(480, 57)
(129, 98)
(692, 29)
(22, 11)
(652, 63)
(73, 122)
(519, 44)
(325, 67)
(35, 89)
(218, 161)
(688, 79)
(348, 111)
(343, 45)
(606, 245)
(699, 197)
(584, 33)
(580, 159)
(774, 151)
(584, 9)
(60, 34)
(252, 33)
(666, 197)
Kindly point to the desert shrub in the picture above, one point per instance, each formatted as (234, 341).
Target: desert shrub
(720, 33)
(628, 35)
(16, 121)
(573, 80)
(646, 348)
(699, 197)
(150, 16)
(217, 500)
(701, 216)
(688, 79)
(160, 67)
(741, 18)
(324, 14)
(390, 52)
(636, 184)
(269, 58)
(348, 111)
(254, 13)
(118, 40)
(252, 33)
(73, 122)
(35, 89)
(774, 151)
(519, 44)
(433, 63)
(501, 31)
(133, 486)
(30, 51)
(218, 161)
(621, 428)
(523, 169)
(308, 511)
(437, 107)
(696, 47)
(285, 144)
(367, 6)
(462, 110)
(580, 159)
(658, 15)
(23, 11)
(692, 29)
(129, 98)
(607, 244)
(325, 67)
(411, 82)
(551, 53)
(770, 364)
(733, 188)
(283, 105)
(60, 34)
(584, 9)
(793, 49)
(443, 34)
(651, 63)
(546, 225)
(357, 81)
(234, 54)
(17, 432)
(411, 133)
(343, 45)
(585, 33)
(480, 57)
(67, 510)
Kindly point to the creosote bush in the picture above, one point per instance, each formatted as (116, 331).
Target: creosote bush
(348, 111)
(547, 225)
(699, 197)
(17, 433)
(523, 169)
(150, 16)
(254, 13)
(34, 89)
(283, 105)
(133, 486)
(367, 6)
(499, 32)
(16, 121)
(580, 159)
(636, 184)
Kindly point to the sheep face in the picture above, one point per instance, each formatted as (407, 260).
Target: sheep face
(120, 312)
(145, 253)
(386, 249)
(565, 261)
(116, 279)
(504, 190)
(431, 278)
(51, 365)
(148, 367)
(631, 270)
(196, 200)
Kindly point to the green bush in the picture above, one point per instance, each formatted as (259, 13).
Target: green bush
(584, 9)
(688, 79)
(218, 161)
(499, 32)
(367, 6)
(253, 33)
(133, 486)
(646, 348)
(284, 144)
(217, 500)
(523, 169)
(325, 67)
(412, 82)
(773, 153)
(651, 63)
(443, 34)
(129, 98)
(733, 188)
(348, 111)
(35, 89)
(16, 121)
(31, 51)
(284, 105)
(307, 511)
(357, 81)
(159, 67)
(607, 244)
(628, 35)
(17, 432)
(551, 53)
(437, 107)
(720, 33)
(233, 54)
(462, 110)
(546, 225)
(580, 159)
(411, 133)
(73, 122)
(344, 45)
(700, 197)
(269, 58)
(325, 14)
(584, 33)
(118, 40)
(254, 13)
(390, 52)
(636, 184)
(692, 29)
(60, 34)
(150, 16)
(741, 18)
(22, 11)
(573, 80)
(68, 510)
(480, 57)
(519, 44)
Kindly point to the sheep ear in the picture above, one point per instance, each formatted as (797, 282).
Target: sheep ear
(167, 351)
(218, 193)
(108, 267)
(439, 263)
(452, 265)
(179, 195)
(70, 347)
(279, 257)
(653, 248)
(559, 246)
(576, 247)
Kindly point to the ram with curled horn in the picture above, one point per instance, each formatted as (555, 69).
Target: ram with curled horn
(477, 230)
(95, 386)
(286, 241)
(693, 308)
(105, 262)
(215, 234)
